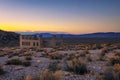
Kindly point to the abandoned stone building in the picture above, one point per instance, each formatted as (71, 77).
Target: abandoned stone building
(27, 41)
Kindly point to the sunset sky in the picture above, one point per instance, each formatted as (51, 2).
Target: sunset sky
(69, 16)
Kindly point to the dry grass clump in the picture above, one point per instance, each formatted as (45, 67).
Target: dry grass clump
(112, 73)
(2, 54)
(9, 51)
(117, 54)
(89, 58)
(26, 63)
(28, 58)
(17, 61)
(55, 55)
(6, 52)
(108, 74)
(39, 49)
(83, 53)
(96, 46)
(77, 66)
(117, 71)
(102, 55)
(70, 56)
(114, 60)
(54, 66)
(86, 51)
(1, 71)
(13, 54)
(25, 53)
(47, 75)
(104, 50)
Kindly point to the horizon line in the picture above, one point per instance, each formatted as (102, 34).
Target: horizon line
(53, 32)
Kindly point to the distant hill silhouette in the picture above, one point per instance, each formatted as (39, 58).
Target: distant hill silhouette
(12, 38)
(92, 35)
(8, 38)
(102, 35)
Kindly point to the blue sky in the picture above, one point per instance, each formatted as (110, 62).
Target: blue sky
(72, 16)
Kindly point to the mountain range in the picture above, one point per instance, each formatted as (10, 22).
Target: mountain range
(12, 38)
(90, 35)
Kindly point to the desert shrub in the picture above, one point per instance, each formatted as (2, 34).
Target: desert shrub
(1, 71)
(82, 54)
(40, 49)
(54, 66)
(28, 58)
(116, 71)
(65, 54)
(26, 63)
(101, 58)
(55, 55)
(25, 54)
(89, 58)
(112, 73)
(47, 75)
(18, 62)
(102, 54)
(108, 74)
(13, 54)
(104, 50)
(22, 77)
(3, 53)
(77, 66)
(114, 60)
(86, 51)
(70, 56)
(117, 54)
(14, 62)
(44, 54)
(96, 46)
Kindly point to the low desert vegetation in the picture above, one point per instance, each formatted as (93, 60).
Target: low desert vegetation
(114, 60)
(104, 50)
(1, 71)
(26, 63)
(108, 74)
(47, 75)
(116, 69)
(112, 73)
(28, 58)
(77, 66)
(70, 56)
(54, 66)
(89, 58)
(86, 51)
(101, 56)
(83, 54)
(55, 55)
(85, 60)
(17, 61)
(117, 54)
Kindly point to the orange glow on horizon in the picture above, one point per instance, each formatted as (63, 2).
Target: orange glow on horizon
(72, 28)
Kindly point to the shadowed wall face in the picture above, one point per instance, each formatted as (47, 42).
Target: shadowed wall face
(28, 41)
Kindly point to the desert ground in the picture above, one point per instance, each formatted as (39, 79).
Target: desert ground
(75, 61)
